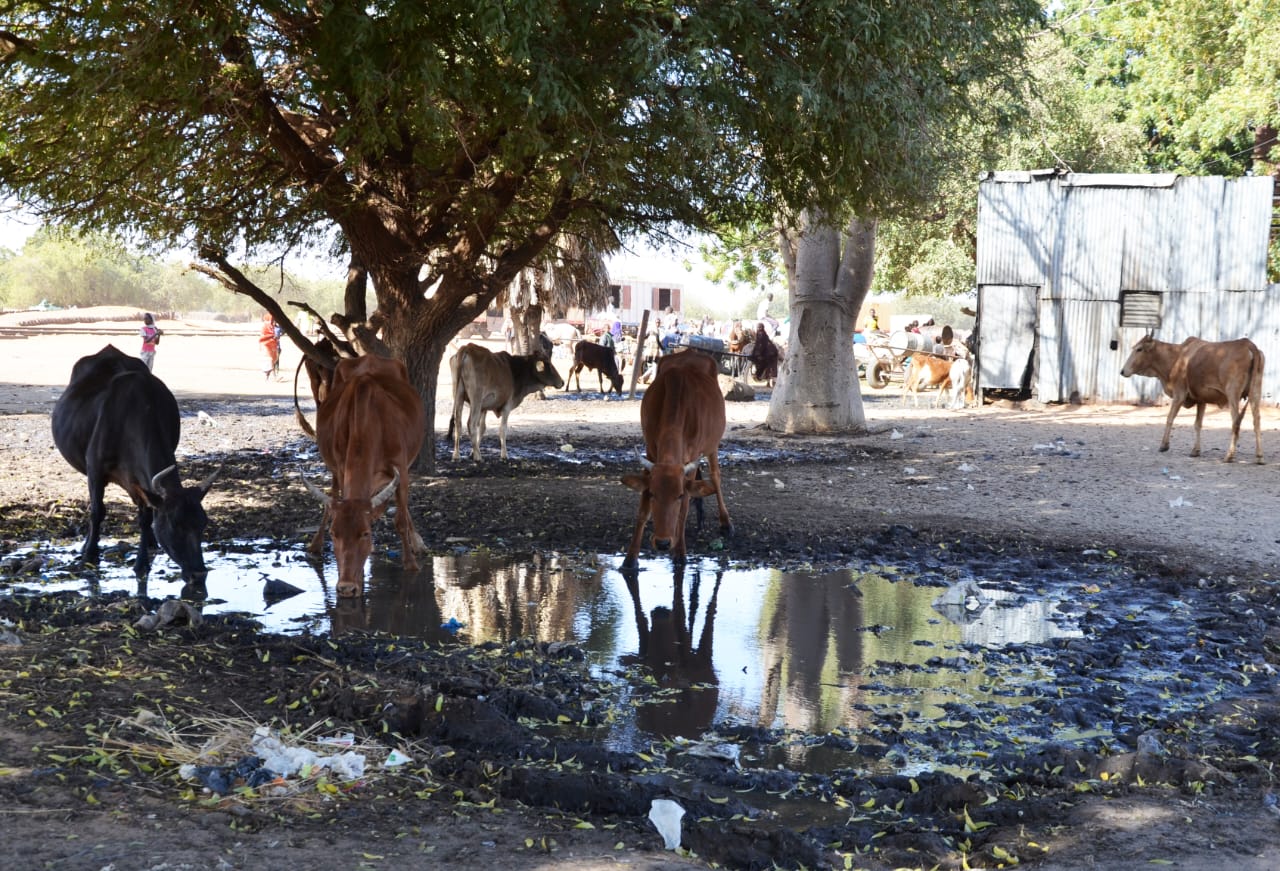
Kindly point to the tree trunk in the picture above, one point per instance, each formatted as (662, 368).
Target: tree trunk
(417, 333)
(526, 323)
(355, 292)
(817, 389)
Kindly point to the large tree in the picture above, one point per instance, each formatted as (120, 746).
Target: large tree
(450, 141)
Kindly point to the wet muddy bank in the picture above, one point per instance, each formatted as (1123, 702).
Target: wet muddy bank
(1165, 695)
(1167, 690)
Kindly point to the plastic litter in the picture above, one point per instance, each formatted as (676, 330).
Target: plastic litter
(286, 761)
(452, 625)
(396, 758)
(223, 779)
(895, 435)
(665, 815)
(346, 739)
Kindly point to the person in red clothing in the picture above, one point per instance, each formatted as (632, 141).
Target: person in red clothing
(269, 340)
(150, 338)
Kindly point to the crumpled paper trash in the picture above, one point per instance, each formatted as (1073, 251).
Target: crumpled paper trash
(665, 815)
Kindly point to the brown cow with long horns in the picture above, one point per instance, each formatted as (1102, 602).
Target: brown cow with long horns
(369, 430)
(1199, 372)
(682, 417)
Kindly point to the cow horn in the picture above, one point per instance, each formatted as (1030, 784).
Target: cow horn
(155, 479)
(204, 485)
(689, 467)
(316, 491)
(388, 491)
(644, 461)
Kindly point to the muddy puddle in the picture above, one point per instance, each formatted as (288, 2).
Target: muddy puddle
(803, 668)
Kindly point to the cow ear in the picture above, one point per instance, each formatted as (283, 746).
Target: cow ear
(639, 483)
(698, 489)
(153, 498)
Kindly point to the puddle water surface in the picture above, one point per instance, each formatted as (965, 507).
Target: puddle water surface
(796, 653)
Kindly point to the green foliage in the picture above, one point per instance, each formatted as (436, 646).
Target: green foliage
(68, 269)
(1056, 119)
(1199, 77)
(456, 133)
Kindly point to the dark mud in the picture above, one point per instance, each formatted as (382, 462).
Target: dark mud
(1170, 688)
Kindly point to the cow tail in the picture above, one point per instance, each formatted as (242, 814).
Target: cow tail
(297, 408)
(1254, 384)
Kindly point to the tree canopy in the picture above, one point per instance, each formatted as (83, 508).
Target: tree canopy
(450, 142)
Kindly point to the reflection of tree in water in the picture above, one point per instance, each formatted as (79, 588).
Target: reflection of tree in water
(495, 598)
(689, 690)
(500, 599)
(812, 651)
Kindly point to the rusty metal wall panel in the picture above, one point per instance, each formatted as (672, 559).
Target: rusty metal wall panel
(1194, 261)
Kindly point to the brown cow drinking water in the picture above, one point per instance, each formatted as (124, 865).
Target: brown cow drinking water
(369, 430)
(1199, 372)
(682, 418)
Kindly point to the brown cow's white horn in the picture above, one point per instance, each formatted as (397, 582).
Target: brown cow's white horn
(316, 491)
(388, 491)
(155, 479)
(644, 461)
(689, 467)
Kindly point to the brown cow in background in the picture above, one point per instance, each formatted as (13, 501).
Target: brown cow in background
(493, 382)
(682, 418)
(369, 429)
(1199, 372)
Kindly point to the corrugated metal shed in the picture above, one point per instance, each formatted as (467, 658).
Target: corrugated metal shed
(1101, 259)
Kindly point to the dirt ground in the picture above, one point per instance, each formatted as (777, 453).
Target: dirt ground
(84, 783)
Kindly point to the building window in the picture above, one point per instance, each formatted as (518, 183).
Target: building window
(1140, 308)
(664, 298)
(615, 295)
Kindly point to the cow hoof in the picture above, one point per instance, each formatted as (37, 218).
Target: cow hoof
(727, 531)
(1164, 448)
(348, 592)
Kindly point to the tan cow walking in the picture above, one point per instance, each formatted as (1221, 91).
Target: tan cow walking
(1198, 372)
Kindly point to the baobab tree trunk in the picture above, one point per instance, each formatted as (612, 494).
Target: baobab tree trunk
(830, 273)
(526, 324)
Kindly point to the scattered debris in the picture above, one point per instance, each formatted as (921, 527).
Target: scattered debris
(665, 815)
(171, 611)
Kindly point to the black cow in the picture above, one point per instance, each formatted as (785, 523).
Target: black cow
(599, 358)
(117, 423)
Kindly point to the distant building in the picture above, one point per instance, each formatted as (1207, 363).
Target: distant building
(629, 297)
(1074, 268)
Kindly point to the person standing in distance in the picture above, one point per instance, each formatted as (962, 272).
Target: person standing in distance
(150, 338)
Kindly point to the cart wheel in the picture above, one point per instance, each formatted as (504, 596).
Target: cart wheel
(878, 376)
